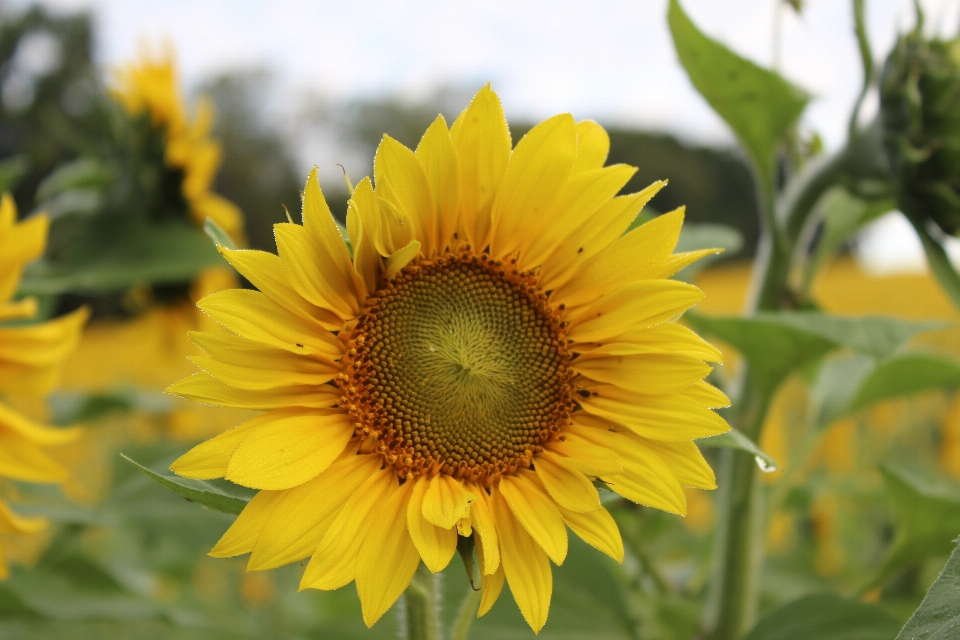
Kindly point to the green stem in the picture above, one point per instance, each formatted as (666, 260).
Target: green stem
(939, 262)
(421, 620)
(466, 615)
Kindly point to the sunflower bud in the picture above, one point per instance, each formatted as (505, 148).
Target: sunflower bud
(920, 113)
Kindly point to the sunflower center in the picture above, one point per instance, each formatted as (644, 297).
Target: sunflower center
(458, 366)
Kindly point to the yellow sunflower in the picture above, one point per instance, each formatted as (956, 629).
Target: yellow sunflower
(151, 87)
(30, 355)
(494, 346)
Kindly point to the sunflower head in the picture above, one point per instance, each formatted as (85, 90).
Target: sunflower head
(150, 88)
(920, 109)
(493, 347)
(30, 355)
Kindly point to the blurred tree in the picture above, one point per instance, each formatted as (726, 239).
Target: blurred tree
(48, 92)
(259, 172)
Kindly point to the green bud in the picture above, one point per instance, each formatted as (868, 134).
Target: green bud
(920, 113)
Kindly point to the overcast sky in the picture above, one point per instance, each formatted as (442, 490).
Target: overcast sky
(611, 60)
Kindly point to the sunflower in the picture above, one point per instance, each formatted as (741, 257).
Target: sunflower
(30, 355)
(151, 88)
(494, 347)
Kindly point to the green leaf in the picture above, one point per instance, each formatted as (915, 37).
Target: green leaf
(904, 375)
(938, 617)
(734, 439)
(928, 514)
(113, 255)
(12, 170)
(195, 490)
(837, 383)
(825, 617)
(778, 343)
(217, 234)
(759, 105)
(85, 173)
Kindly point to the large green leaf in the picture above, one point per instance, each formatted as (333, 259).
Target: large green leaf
(904, 375)
(759, 105)
(733, 439)
(112, 254)
(928, 515)
(778, 343)
(195, 490)
(825, 617)
(938, 617)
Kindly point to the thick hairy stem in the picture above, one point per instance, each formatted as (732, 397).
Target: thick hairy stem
(421, 619)
(466, 615)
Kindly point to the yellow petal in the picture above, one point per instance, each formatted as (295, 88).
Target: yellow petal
(409, 189)
(311, 272)
(366, 259)
(685, 461)
(388, 558)
(44, 343)
(265, 272)
(435, 544)
(491, 579)
(209, 459)
(656, 373)
(334, 562)
(666, 337)
(525, 565)
(305, 513)
(671, 418)
(636, 306)
(204, 388)
(644, 249)
(12, 523)
(4, 570)
(581, 244)
(243, 533)
(482, 139)
(253, 315)
(295, 446)
(536, 511)
(583, 194)
(598, 529)
(486, 531)
(34, 431)
(707, 395)
(21, 459)
(442, 169)
(265, 370)
(584, 456)
(328, 245)
(394, 227)
(593, 145)
(18, 310)
(446, 501)
(537, 172)
(569, 488)
(401, 258)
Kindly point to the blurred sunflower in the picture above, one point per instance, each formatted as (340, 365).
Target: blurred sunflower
(150, 87)
(30, 355)
(493, 347)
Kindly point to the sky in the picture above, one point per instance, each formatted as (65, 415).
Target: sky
(609, 60)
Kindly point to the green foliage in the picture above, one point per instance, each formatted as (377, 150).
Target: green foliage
(759, 105)
(197, 491)
(218, 235)
(938, 617)
(779, 343)
(825, 617)
(928, 518)
(733, 439)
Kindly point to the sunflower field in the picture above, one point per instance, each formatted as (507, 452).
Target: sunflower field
(523, 379)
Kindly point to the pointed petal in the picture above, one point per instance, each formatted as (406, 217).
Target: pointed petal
(598, 529)
(204, 388)
(243, 533)
(647, 373)
(435, 544)
(491, 579)
(399, 166)
(486, 531)
(593, 145)
(536, 511)
(569, 488)
(446, 501)
(442, 168)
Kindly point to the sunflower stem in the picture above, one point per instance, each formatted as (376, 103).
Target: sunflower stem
(421, 620)
(465, 615)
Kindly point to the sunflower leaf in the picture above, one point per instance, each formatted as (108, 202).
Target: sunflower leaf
(938, 617)
(758, 104)
(825, 617)
(734, 439)
(778, 343)
(928, 514)
(198, 491)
